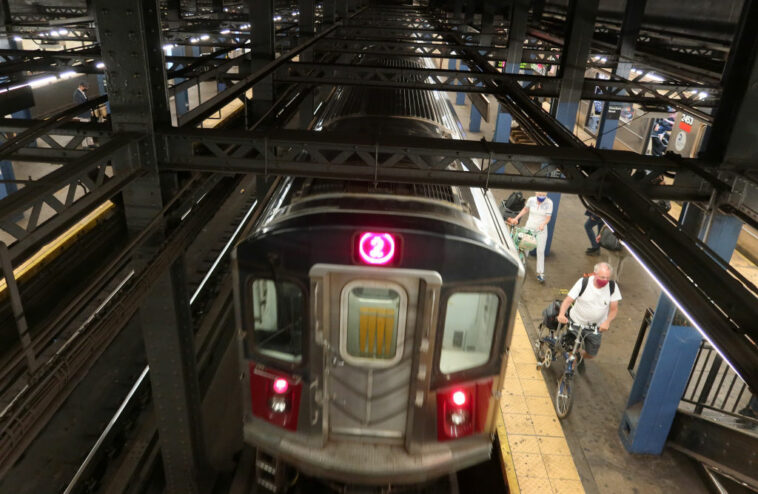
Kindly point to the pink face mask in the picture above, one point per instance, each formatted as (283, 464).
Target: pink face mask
(600, 283)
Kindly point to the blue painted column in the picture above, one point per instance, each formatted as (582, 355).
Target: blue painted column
(502, 126)
(668, 357)
(102, 89)
(7, 175)
(609, 124)
(475, 121)
(460, 97)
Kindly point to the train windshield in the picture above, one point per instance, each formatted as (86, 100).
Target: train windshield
(278, 308)
(470, 321)
(373, 322)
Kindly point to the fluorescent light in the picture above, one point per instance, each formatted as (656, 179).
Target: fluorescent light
(100, 65)
(226, 31)
(193, 40)
(702, 95)
(655, 77)
(44, 81)
(17, 38)
(63, 31)
(205, 37)
(680, 307)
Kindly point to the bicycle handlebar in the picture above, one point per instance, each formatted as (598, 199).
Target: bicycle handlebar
(592, 328)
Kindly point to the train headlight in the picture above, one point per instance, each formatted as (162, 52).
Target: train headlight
(459, 417)
(278, 404)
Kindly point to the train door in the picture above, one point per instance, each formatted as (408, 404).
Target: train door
(369, 320)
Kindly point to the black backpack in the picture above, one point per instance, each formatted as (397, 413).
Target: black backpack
(609, 240)
(550, 315)
(515, 202)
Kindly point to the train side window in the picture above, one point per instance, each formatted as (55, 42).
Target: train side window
(278, 310)
(372, 327)
(470, 320)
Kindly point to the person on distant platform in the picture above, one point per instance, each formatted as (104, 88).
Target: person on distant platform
(593, 221)
(80, 97)
(540, 209)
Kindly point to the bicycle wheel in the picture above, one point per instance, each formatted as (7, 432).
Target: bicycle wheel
(544, 351)
(564, 396)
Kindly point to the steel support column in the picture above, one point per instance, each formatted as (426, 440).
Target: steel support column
(470, 11)
(670, 351)
(129, 32)
(307, 29)
(630, 29)
(736, 125)
(307, 17)
(516, 34)
(18, 309)
(580, 27)
(174, 10)
(329, 12)
(538, 7)
(488, 24)
(503, 126)
(261, 14)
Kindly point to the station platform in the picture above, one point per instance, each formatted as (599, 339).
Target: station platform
(586, 454)
(536, 457)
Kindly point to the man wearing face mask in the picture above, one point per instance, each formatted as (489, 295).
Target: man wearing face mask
(596, 301)
(540, 209)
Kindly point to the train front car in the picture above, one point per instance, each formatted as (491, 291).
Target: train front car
(374, 320)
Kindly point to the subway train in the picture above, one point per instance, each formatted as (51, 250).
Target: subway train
(374, 319)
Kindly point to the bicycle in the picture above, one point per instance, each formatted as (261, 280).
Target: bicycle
(525, 240)
(568, 340)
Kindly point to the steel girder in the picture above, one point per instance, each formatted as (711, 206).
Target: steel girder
(686, 96)
(419, 160)
(70, 192)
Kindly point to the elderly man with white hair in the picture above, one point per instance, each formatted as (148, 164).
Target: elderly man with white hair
(596, 301)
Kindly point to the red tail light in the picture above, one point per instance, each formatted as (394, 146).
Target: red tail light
(275, 397)
(462, 410)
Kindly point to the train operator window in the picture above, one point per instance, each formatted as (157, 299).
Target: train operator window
(469, 329)
(372, 326)
(278, 319)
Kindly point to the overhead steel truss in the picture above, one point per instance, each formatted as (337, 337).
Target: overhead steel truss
(418, 160)
(689, 96)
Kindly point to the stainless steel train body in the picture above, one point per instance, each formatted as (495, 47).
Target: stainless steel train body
(374, 320)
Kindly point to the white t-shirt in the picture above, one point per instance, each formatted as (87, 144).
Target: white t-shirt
(538, 211)
(593, 305)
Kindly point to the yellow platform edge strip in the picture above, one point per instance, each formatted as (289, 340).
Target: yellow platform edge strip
(61, 241)
(506, 458)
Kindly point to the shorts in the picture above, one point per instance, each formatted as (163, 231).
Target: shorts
(592, 344)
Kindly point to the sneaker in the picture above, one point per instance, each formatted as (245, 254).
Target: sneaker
(593, 251)
(540, 278)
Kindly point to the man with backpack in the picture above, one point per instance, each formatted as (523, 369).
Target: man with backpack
(540, 210)
(595, 300)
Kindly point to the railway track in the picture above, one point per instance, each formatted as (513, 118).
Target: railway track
(131, 432)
